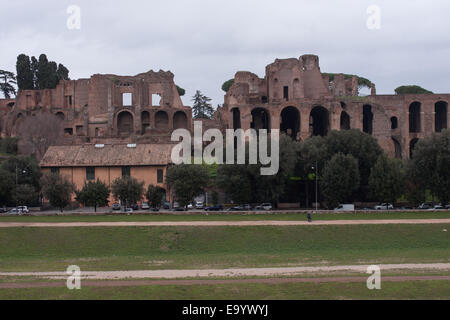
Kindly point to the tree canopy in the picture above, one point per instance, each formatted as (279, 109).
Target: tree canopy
(93, 194)
(7, 83)
(227, 84)
(187, 181)
(127, 189)
(412, 89)
(201, 108)
(387, 179)
(39, 73)
(57, 189)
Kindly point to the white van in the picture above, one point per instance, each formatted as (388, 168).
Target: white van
(345, 207)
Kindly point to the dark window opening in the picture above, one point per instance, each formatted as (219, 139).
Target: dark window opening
(264, 99)
(54, 170)
(145, 120)
(90, 173)
(260, 119)
(126, 171)
(160, 176)
(161, 120)
(394, 123)
(345, 121)
(179, 120)
(236, 118)
(79, 130)
(414, 117)
(367, 119)
(290, 122)
(319, 121)
(125, 123)
(68, 131)
(286, 93)
(440, 116)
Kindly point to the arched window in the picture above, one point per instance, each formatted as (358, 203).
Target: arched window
(367, 119)
(345, 121)
(161, 120)
(440, 115)
(125, 123)
(179, 120)
(414, 117)
(290, 121)
(394, 123)
(319, 121)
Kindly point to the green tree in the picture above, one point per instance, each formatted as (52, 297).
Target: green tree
(387, 179)
(93, 194)
(28, 171)
(201, 108)
(25, 76)
(57, 189)
(430, 166)
(7, 83)
(128, 190)
(227, 84)
(236, 181)
(412, 89)
(340, 179)
(180, 90)
(8, 145)
(25, 195)
(187, 181)
(7, 185)
(155, 195)
(62, 73)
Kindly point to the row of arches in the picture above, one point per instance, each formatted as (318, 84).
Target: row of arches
(319, 121)
(440, 116)
(125, 121)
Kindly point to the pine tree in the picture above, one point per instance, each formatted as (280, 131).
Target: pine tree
(202, 109)
(7, 82)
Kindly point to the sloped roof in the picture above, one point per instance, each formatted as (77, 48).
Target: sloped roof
(108, 155)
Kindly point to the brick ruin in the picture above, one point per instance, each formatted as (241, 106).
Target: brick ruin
(294, 96)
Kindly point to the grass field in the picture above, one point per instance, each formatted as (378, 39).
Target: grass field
(131, 248)
(232, 217)
(254, 291)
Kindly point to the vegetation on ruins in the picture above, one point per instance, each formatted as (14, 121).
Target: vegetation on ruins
(39, 73)
(411, 89)
(227, 84)
(362, 82)
(180, 90)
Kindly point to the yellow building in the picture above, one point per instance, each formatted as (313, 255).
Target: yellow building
(107, 162)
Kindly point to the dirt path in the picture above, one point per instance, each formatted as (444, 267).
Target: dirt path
(221, 223)
(232, 272)
(133, 283)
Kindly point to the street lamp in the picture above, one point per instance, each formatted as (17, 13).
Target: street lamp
(315, 176)
(17, 181)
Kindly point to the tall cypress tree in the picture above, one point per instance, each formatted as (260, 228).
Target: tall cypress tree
(24, 72)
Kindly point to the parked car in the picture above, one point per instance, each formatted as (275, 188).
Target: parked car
(264, 206)
(199, 205)
(216, 207)
(384, 206)
(235, 208)
(190, 206)
(129, 210)
(145, 206)
(345, 207)
(447, 207)
(134, 206)
(15, 211)
(3, 210)
(177, 207)
(116, 206)
(166, 205)
(438, 207)
(424, 206)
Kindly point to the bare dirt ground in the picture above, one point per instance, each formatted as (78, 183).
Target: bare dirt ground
(133, 283)
(220, 223)
(232, 272)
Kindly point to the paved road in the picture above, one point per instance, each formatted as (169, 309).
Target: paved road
(221, 223)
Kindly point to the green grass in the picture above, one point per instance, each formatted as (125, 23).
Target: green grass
(254, 291)
(128, 248)
(232, 217)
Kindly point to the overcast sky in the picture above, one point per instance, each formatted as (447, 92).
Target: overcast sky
(204, 42)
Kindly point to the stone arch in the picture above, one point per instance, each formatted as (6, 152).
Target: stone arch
(319, 121)
(414, 117)
(161, 120)
(125, 123)
(260, 119)
(145, 121)
(236, 113)
(412, 145)
(394, 123)
(179, 120)
(60, 115)
(397, 148)
(440, 115)
(345, 121)
(367, 119)
(290, 121)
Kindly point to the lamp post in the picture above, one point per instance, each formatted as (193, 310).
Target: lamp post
(17, 181)
(315, 176)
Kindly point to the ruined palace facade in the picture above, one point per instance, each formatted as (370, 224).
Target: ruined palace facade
(105, 108)
(293, 96)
